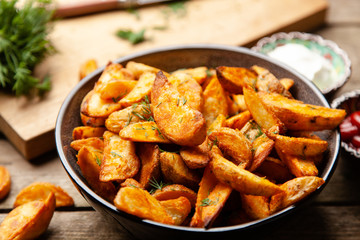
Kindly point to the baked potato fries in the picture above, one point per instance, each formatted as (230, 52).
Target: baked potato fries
(200, 147)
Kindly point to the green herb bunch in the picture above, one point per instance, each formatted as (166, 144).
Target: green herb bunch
(23, 44)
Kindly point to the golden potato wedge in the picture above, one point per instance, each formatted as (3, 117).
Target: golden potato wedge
(174, 191)
(239, 120)
(298, 146)
(178, 122)
(241, 179)
(263, 116)
(199, 74)
(87, 67)
(261, 148)
(236, 103)
(149, 155)
(139, 68)
(120, 160)
(116, 89)
(140, 203)
(141, 90)
(92, 121)
(196, 156)
(111, 71)
(274, 170)
(95, 142)
(294, 190)
(267, 82)
(256, 207)
(89, 161)
(215, 101)
(82, 132)
(178, 209)
(233, 79)
(40, 191)
(287, 83)
(28, 221)
(5, 182)
(143, 132)
(297, 115)
(217, 123)
(94, 106)
(175, 170)
(130, 182)
(234, 144)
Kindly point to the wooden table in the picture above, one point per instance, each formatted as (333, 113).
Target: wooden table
(335, 213)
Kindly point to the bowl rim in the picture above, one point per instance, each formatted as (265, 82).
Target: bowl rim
(245, 226)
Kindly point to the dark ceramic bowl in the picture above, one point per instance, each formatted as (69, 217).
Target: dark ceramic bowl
(169, 59)
(351, 103)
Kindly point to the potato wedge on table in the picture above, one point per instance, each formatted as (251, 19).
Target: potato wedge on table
(95, 142)
(5, 182)
(87, 132)
(196, 156)
(178, 209)
(233, 79)
(87, 67)
(179, 122)
(297, 115)
(40, 191)
(140, 203)
(174, 191)
(149, 155)
(28, 221)
(120, 160)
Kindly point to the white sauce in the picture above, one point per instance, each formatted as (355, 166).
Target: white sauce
(312, 65)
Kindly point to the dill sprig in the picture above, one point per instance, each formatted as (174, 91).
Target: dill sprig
(156, 185)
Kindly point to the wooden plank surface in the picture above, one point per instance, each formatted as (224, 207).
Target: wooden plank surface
(30, 122)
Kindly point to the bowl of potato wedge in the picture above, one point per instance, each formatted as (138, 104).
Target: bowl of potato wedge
(197, 141)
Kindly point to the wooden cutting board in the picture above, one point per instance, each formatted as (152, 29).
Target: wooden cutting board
(29, 123)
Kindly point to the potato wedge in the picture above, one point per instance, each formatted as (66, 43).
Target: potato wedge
(29, 220)
(89, 161)
(263, 116)
(236, 103)
(140, 90)
(94, 106)
(297, 115)
(174, 191)
(116, 89)
(95, 142)
(130, 182)
(87, 67)
(261, 148)
(82, 132)
(178, 122)
(294, 190)
(140, 203)
(92, 121)
(199, 74)
(120, 160)
(234, 144)
(233, 79)
(241, 179)
(40, 191)
(149, 155)
(143, 132)
(256, 207)
(287, 83)
(178, 209)
(197, 156)
(239, 120)
(274, 170)
(139, 68)
(5, 182)
(111, 71)
(175, 170)
(215, 101)
(217, 123)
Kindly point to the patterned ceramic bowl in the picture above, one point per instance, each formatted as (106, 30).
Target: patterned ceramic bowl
(337, 62)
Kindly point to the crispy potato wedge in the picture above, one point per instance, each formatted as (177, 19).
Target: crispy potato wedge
(234, 144)
(29, 220)
(149, 155)
(261, 148)
(197, 156)
(217, 123)
(274, 170)
(238, 121)
(139, 68)
(82, 132)
(215, 101)
(174, 191)
(179, 122)
(263, 116)
(287, 83)
(175, 170)
(267, 82)
(140, 203)
(40, 191)
(120, 160)
(92, 121)
(130, 182)
(89, 161)
(94, 106)
(241, 179)
(143, 132)
(116, 89)
(297, 115)
(233, 79)
(5, 182)
(95, 142)
(236, 103)
(178, 209)
(141, 89)
(87, 67)
(304, 147)
(199, 74)
(294, 190)
(256, 207)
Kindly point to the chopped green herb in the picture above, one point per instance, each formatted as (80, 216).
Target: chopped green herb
(131, 36)
(115, 154)
(158, 104)
(98, 160)
(178, 101)
(157, 185)
(129, 120)
(207, 202)
(135, 12)
(184, 101)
